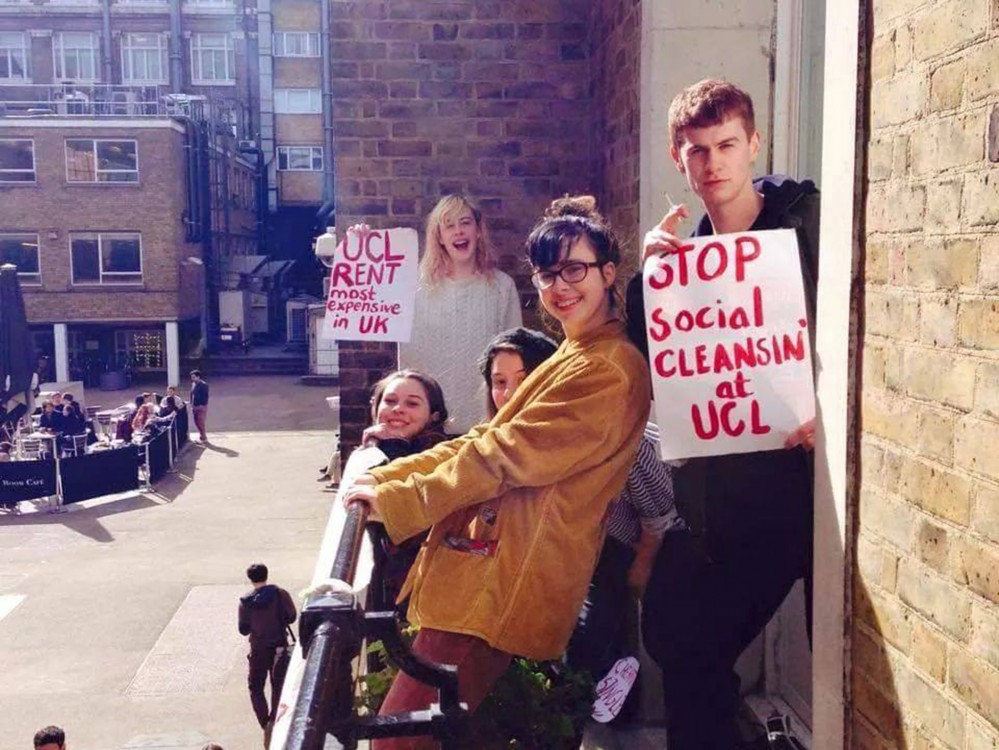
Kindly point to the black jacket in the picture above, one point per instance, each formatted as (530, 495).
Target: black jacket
(264, 614)
(786, 205)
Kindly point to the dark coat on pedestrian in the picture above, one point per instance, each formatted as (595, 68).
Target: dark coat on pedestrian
(264, 615)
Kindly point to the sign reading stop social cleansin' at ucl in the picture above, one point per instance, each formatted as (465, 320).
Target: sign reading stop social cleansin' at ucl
(373, 286)
(728, 340)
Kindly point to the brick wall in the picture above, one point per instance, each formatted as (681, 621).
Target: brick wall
(491, 99)
(54, 208)
(925, 630)
(615, 44)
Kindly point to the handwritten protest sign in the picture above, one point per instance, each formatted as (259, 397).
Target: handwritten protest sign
(373, 286)
(728, 344)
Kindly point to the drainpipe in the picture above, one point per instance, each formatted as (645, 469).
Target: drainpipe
(106, 57)
(176, 49)
(324, 41)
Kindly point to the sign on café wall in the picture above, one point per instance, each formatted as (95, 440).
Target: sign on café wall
(373, 286)
(729, 349)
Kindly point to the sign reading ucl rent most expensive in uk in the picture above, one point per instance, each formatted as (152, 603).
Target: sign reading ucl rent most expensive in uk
(373, 286)
(728, 344)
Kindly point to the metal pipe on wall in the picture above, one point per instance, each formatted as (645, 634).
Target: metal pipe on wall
(324, 41)
(106, 57)
(176, 49)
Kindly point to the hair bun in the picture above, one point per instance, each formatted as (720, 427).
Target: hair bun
(574, 205)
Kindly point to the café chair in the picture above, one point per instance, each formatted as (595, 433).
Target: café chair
(29, 449)
(75, 445)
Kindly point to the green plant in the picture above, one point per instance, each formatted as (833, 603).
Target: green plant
(533, 706)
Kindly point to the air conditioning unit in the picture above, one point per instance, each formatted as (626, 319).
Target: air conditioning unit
(246, 146)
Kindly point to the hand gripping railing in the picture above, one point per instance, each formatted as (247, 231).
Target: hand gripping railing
(332, 630)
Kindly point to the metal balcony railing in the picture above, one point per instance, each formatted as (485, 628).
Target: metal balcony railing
(333, 629)
(104, 100)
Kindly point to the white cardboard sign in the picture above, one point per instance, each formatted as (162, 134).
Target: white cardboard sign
(729, 350)
(373, 286)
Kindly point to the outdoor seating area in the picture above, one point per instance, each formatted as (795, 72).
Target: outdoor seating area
(107, 458)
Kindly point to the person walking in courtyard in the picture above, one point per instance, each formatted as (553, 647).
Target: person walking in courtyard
(199, 404)
(264, 615)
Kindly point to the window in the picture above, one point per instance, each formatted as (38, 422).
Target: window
(143, 58)
(92, 160)
(13, 56)
(297, 101)
(75, 55)
(212, 58)
(300, 158)
(22, 251)
(106, 258)
(17, 160)
(296, 44)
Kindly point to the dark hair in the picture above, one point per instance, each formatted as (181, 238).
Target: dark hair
(195, 373)
(49, 735)
(212, 746)
(257, 573)
(564, 222)
(68, 397)
(706, 103)
(140, 400)
(435, 396)
(533, 348)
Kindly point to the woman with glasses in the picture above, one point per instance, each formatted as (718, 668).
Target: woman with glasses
(516, 506)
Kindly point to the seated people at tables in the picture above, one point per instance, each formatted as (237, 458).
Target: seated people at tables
(142, 415)
(68, 400)
(516, 506)
(167, 407)
(72, 422)
(407, 416)
(51, 418)
(177, 400)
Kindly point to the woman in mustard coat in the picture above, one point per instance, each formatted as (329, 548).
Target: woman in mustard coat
(516, 506)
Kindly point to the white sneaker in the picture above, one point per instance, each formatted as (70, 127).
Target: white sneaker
(613, 689)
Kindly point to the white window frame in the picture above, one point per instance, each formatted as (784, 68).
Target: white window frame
(128, 47)
(25, 60)
(59, 57)
(34, 165)
(97, 169)
(285, 156)
(311, 46)
(197, 47)
(209, 3)
(34, 279)
(101, 238)
(283, 101)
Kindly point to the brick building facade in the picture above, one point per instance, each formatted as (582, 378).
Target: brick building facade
(925, 630)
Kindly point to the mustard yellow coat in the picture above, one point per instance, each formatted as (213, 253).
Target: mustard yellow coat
(536, 481)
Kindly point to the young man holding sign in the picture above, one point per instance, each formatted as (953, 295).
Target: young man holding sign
(707, 600)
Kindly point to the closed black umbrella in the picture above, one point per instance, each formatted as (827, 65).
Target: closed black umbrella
(17, 353)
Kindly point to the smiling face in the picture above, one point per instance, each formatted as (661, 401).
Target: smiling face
(584, 305)
(506, 373)
(718, 161)
(404, 407)
(459, 235)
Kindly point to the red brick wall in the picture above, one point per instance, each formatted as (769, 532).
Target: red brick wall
(491, 99)
(615, 44)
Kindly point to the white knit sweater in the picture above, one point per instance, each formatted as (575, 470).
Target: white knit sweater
(452, 324)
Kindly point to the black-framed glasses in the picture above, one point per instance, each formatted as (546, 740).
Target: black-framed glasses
(572, 273)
